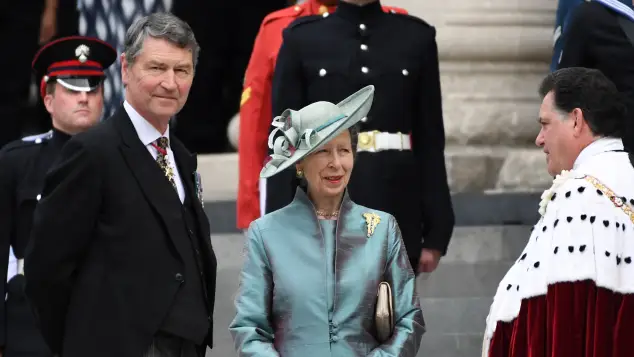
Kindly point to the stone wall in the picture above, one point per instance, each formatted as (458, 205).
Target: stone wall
(493, 55)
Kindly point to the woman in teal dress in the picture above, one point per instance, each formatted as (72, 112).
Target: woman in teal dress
(312, 269)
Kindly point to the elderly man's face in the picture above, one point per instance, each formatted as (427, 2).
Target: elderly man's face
(159, 80)
(561, 136)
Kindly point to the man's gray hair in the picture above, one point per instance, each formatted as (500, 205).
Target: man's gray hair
(159, 25)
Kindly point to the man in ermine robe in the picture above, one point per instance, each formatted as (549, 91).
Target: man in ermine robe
(570, 292)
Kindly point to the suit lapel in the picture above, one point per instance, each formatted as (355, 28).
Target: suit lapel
(187, 163)
(151, 179)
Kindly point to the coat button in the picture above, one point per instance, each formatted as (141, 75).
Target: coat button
(179, 277)
(364, 69)
(322, 72)
(364, 47)
(325, 14)
(38, 197)
(405, 72)
(362, 27)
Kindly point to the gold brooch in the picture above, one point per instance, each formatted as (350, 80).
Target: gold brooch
(371, 220)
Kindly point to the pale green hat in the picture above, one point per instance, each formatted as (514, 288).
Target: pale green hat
(312, 126)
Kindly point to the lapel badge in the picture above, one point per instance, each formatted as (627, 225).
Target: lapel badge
(82, 52)
(371, 220)
(199, 187)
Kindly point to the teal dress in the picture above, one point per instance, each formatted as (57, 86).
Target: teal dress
(308, 287)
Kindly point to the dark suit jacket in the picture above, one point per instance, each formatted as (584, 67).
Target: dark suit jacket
(594, 39)
(103, 269)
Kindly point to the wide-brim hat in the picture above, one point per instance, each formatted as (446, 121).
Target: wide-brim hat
(306, 130)
(76, 62)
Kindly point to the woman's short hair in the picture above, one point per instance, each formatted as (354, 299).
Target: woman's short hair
(602, 105)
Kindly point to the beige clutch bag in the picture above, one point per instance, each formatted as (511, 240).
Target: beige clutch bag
(384, 314)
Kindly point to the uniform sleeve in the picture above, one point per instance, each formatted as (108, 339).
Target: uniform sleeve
(255, 120)
(288, 93)
(7, 207)
(575, 37)
(251, 327)
(429, 147)
(409, 325)
(62, 226)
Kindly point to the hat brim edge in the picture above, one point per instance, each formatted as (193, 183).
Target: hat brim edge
(353, 117)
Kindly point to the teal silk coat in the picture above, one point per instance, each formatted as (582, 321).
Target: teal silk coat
(305, 293)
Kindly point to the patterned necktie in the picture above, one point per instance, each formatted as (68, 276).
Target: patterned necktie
(161, 144)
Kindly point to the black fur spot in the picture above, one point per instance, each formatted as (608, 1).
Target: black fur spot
(556, 222)
(606, 223)
(628, 260)
(618, 225)
(556, 250)
(581, 189)
(607, 254)
(623, 227)
(583, 217)
(599, 192)
(568, 194)
(553, 198)
(523, 256)
(508, 287)
(571, 249)
(582, 248)
(518, 288)
(592, 218)
(618, 260)
(536, 265)
(632, 202)
(569, 219)
(544, 229)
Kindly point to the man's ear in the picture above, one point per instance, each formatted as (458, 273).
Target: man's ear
(48, 102)
(124, 69)
(579, 121)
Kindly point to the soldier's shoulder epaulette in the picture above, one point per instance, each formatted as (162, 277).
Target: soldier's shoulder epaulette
(395, 10)
(291, 11)
(28, 141)
(413, 18)
(304, 20)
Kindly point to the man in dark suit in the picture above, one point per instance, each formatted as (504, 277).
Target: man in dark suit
(400, 167)
(72, 90)
(121, 263)
(596, 39)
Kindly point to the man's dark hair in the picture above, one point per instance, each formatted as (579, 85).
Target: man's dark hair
(602, 105)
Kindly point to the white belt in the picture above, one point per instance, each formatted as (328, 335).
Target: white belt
(374, 141)
(21, 266)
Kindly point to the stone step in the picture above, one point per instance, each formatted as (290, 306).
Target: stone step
(469, 169)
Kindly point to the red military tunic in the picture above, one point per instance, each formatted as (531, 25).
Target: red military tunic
(255, 105)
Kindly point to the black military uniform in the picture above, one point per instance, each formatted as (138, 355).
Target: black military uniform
(331, 57)
(23, 166)
(595, 39)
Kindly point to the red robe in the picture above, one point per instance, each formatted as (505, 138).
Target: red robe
(570, 293)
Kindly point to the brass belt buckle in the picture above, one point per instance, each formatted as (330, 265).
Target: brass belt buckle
(366, 140)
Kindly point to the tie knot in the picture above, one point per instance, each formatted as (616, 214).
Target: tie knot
(162, 142)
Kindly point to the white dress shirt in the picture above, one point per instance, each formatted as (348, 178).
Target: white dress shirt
(148, 135)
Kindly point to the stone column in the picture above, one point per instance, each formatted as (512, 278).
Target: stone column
(493, 55)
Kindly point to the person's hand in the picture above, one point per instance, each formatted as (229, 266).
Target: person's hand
(48, 28)
(429, 259)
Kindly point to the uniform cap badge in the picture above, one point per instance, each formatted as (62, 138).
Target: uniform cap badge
(82, 52)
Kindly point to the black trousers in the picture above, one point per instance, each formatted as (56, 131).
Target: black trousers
(166, 345)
